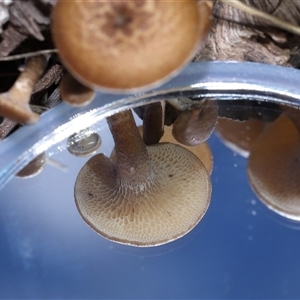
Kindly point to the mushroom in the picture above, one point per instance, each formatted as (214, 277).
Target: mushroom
(151, 196)
(75, 93)
(239, 136)
(202, 151)
(128, 46)
(274, 167)
(34, 167)
(14, 104)
(194, 127)
(83, 143)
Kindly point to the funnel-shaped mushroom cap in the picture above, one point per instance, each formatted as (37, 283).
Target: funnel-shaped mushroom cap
(239, 136)
(202, 151)
(151, 196)
(127, 45)
(274, 167)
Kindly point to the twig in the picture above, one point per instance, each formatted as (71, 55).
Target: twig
(28, 54)
(265, 16)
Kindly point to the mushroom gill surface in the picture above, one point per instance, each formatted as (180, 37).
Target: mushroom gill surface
(151, 196)
(202, 151)
(274, 167)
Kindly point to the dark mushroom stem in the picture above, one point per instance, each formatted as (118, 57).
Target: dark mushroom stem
(132, 157)
(153, 122)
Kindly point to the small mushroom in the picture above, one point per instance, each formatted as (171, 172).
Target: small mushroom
(151, 196)
(194, 127)
(274, 167)
(14, 104)
(83, 143)
(34, 167)
(75, 93)
(202, 151)
(239, 136)
(128, 45)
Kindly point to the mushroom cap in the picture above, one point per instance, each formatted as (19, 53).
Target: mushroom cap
(195, 126)
(83, 143)
(128, 45)
(34, 167)
(274, 167)
(239, 136)
(169, 204)
(202, 151)
(75, 93)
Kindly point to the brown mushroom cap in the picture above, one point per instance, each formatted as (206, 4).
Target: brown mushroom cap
(239, 136)
(202, 151)
(146, 199)
(75, 93)
(34, 167)
(274, 167)
(128, 45)
(194, 127)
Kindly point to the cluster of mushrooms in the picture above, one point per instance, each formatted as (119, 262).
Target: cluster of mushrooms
(271, 143)
(152, 190)
(148, 193)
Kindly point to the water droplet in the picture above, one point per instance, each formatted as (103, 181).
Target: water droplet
(83, 143)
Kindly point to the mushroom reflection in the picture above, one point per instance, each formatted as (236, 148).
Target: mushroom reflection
(274, 167)
(34, 167)
(239, 136)
(83, 143)
(151, 196)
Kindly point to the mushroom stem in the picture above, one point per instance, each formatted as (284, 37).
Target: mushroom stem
(132, 156)
(14, 104)
(153, 122)
(74, 92)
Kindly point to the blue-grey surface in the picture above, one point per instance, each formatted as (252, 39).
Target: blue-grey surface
(219, 80)
(239, 250)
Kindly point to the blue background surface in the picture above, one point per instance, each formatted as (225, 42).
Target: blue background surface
(239, 250)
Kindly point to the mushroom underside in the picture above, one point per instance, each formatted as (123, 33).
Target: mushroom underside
(165, 207)
(274, 168)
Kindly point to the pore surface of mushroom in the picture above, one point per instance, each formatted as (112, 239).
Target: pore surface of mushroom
(274, 167)
(127, 45)
(152, 195)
